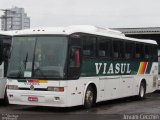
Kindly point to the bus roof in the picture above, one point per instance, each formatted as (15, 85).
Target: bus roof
(79, 29)
(7, 33)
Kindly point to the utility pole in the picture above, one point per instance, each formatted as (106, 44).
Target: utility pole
(5, 17)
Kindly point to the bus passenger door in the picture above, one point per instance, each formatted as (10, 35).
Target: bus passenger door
(74, 74)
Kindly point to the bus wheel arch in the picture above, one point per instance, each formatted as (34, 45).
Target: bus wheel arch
(90, 95)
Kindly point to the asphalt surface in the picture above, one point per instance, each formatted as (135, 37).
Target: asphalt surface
(120, 109)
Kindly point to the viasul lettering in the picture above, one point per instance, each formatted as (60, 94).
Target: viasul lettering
(118, 68)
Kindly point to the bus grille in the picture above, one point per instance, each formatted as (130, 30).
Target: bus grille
(36, 89)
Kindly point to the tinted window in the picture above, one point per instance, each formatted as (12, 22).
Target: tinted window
(89, 46)
(148, 52)
(155, 53)
(129, 50)
(104, 47)
(118, 49)
(139, 54)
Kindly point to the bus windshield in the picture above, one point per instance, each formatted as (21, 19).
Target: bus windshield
(38, 57)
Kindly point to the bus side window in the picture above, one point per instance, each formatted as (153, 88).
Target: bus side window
(148, 52)
(121, 49)
(154, 53)
(128, 50)
(104, 47)
(89, 46)
(108, 48)
(101, 47)
(137, 53)
(118, 49)
(115, 49)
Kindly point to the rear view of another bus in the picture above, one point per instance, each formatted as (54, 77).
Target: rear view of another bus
(158, 69)
(5, 43)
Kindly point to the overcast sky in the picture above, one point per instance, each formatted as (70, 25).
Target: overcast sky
(103, 13)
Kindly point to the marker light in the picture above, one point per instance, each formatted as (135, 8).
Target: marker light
(56, 89)
(12, 87)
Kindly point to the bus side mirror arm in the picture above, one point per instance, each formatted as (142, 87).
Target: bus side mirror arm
(1, 52)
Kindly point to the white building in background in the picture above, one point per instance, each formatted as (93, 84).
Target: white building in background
(14, 19)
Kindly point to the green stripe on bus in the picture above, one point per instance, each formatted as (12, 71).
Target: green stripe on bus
(149, 67)
(92, 67)
(21, 80)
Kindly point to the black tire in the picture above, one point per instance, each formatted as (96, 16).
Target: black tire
(5, 101)
(142, 91)
(89, 100)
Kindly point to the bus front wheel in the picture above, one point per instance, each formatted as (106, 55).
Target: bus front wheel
(89, 100)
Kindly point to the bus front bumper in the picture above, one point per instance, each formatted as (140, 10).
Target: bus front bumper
(37, 98)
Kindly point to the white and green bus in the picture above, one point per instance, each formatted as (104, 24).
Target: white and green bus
(79, 65)
(5, 44)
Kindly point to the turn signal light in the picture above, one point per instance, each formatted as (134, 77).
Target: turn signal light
(56, 89)
(12, 87)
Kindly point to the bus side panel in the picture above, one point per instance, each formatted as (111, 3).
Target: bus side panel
(127, 85)
(76, 90)
(152, 78)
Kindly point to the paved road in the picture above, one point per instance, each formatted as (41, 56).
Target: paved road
(116, 109)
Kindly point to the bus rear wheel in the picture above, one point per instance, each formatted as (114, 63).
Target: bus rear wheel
(89, 100)
(142, 91)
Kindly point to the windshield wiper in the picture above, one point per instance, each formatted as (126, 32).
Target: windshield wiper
(26, 60)
(22, 66)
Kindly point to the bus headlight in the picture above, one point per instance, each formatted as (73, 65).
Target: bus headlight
(12, 87)
(56, 89)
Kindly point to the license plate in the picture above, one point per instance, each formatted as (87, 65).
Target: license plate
(33, 99)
